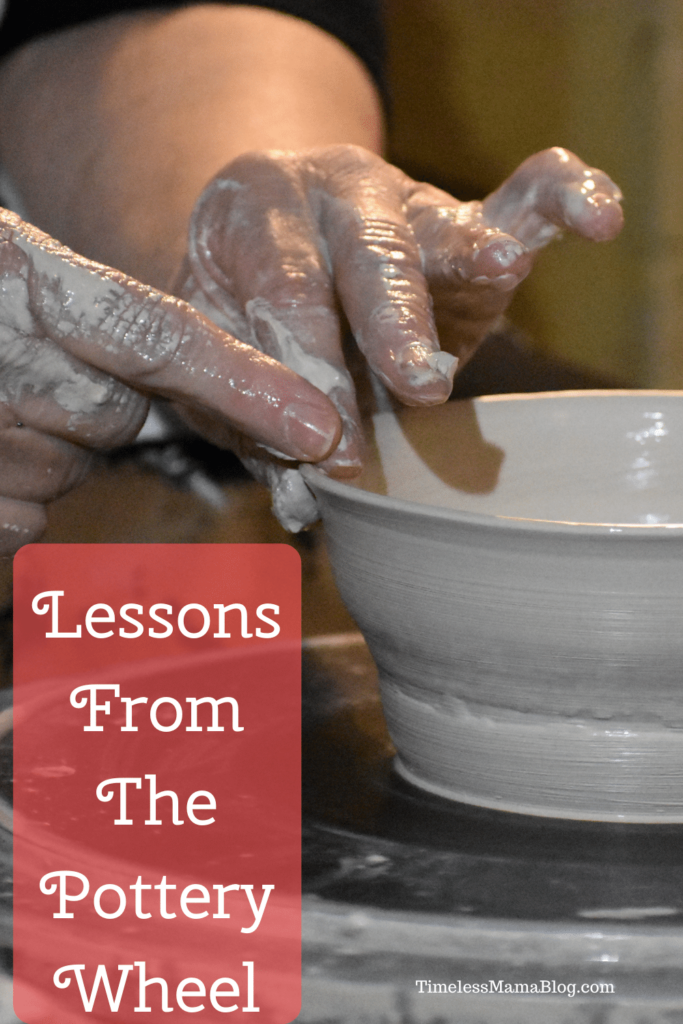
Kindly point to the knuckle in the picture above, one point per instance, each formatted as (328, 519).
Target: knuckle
(374, 232)
(239, 176)
(147, 336)
(34, 369)
(346, 158)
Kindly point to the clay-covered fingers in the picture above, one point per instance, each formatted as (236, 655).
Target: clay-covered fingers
(378, 272)
(42, 385)
(475, 254)
(472, 268)
(283, 246)
(47, 399)
(286, 247)
(288, 236)
(255, 256)
(81, 349)
(109, 338)
(552, 191)
(458, 246)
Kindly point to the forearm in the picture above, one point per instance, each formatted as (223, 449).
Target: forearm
(113, 129)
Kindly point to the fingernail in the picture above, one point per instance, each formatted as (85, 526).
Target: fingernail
(276, 452)
(344, 469)
(345, 461)
(502, 283)
(607, 217)
(502, 252)
(311, 433)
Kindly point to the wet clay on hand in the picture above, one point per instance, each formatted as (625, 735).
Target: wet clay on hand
(285, 248)
(83, 346)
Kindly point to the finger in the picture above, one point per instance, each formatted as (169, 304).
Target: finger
(378, 274)
(553, 190)
(292, 333)
(160, 345)
(472, 269)
(20, 523)
(457, 246)
(293, 503)
(45, 387)
(255, 247)
(35, 467)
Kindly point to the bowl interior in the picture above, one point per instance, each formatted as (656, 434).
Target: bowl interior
(608, 457)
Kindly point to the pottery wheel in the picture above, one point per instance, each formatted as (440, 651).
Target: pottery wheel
(401, 885)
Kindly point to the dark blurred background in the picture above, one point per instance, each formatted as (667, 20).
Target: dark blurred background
(479, 85)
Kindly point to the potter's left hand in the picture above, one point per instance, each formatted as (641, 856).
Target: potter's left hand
(282, 244)
(82, 348)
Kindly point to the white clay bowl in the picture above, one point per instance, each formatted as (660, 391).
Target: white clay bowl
(516, 566)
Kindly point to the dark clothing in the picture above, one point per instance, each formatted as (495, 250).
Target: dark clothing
(357, 23)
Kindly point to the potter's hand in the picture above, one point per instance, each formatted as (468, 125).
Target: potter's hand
(279, 241)
(80, 348)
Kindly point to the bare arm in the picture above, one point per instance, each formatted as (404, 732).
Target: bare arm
(113, 129)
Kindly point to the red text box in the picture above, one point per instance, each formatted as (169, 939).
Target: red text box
(157, 782)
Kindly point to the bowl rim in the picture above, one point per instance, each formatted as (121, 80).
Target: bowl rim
(317, 480)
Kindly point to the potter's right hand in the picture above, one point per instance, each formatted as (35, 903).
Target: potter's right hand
(81, 349)
(285, 247)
